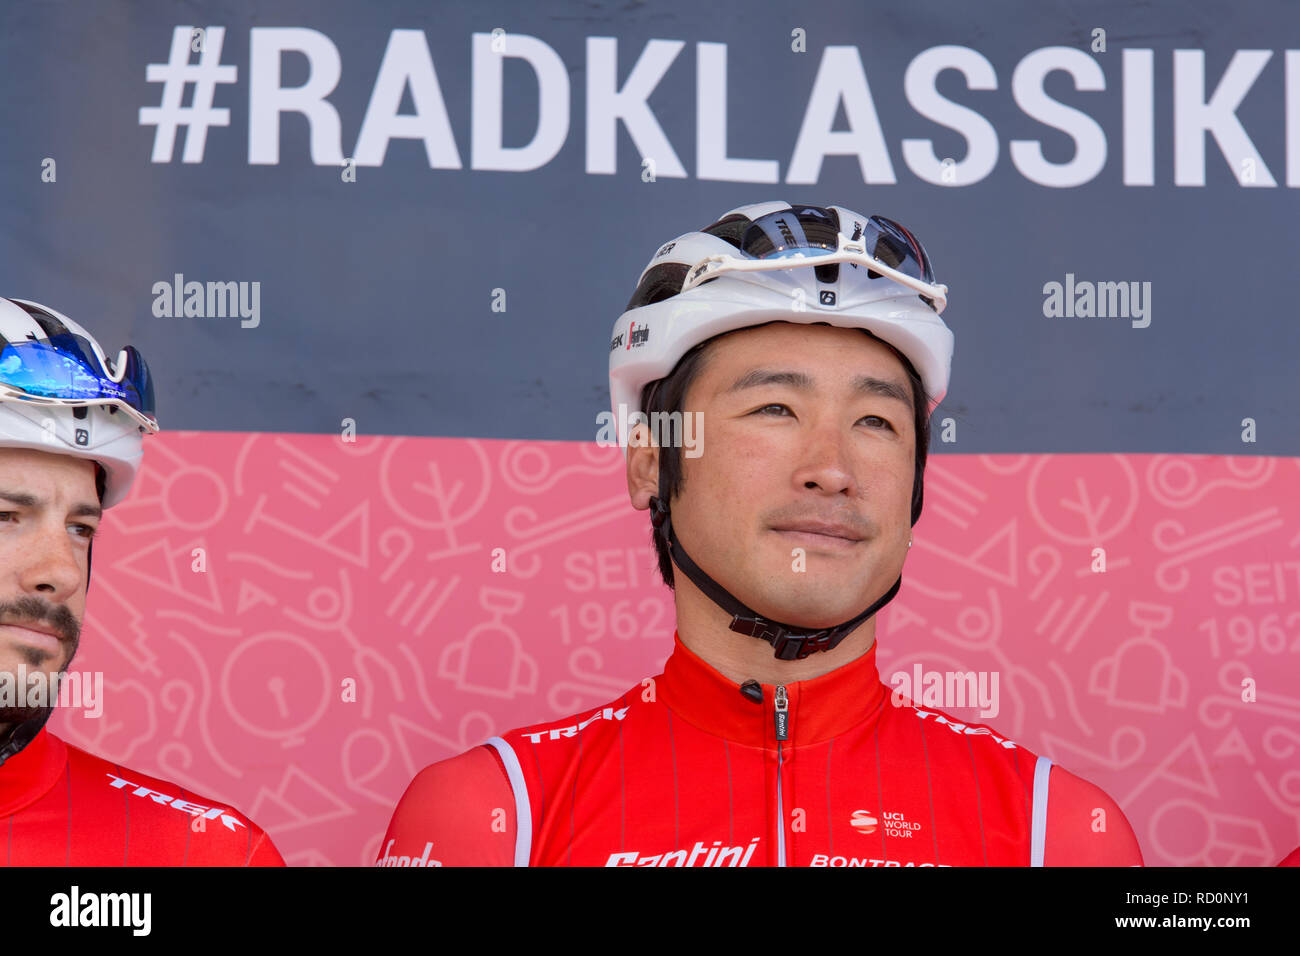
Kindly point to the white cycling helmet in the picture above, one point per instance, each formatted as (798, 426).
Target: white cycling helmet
(777, 262)
(59, 393)
(774, 261)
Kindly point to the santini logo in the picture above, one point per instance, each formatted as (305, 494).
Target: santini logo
(716, 855)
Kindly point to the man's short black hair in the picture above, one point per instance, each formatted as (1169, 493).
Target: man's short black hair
(666, 395)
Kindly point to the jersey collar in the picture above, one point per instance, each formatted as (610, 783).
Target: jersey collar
(819, 709)
(29, 774)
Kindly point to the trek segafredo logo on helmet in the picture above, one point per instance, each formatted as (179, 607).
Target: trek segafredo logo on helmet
(635, 338)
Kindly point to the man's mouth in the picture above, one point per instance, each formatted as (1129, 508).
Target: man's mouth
(34, 633)
(821, 534)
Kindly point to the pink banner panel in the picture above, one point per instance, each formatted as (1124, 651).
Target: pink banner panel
(297, 624)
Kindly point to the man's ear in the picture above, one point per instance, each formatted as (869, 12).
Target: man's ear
(642, 467)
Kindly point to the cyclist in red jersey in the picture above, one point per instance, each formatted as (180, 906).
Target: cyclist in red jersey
(72, 427)
(769, 738)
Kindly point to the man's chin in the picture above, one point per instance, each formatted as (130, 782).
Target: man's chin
(801, 613)
(814, 608)
(19, 715)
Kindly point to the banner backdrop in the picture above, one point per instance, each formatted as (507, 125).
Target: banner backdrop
(374, 253)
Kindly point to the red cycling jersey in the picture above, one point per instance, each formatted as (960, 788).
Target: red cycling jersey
(60, 805)
(687, 770)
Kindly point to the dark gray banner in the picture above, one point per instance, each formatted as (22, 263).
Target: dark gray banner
(426, 217)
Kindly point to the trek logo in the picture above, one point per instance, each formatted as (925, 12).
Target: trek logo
(959, 728)
(716, 855)
(827, 297)
(786, 234)
(389, 860)
(616, 341)
(83, 437)
(665, 249)
(896, 825)
(555, 733)
(176, 803)
(637, 337)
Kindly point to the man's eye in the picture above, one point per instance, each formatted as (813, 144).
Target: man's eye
(879, 419)
(6, 515)
(763, 410)
(84, 530)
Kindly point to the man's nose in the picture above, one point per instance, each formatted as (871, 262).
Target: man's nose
(51, 566)
(824, 460)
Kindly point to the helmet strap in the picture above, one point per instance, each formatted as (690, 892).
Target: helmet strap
(101, 481)
(20, 735)
(788, 642)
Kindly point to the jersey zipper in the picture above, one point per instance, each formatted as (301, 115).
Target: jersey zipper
(781, 714)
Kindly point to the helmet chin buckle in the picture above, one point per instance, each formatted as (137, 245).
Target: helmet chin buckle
(786, 645)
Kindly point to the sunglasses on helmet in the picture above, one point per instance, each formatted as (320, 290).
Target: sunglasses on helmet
(882, 245)
(67, 370)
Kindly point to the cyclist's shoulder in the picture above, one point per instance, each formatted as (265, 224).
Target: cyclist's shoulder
(586, 724)
(456, 811)
(982, 739)
(230, 836)
(149, 793)
(475, 768)
(1085, 825)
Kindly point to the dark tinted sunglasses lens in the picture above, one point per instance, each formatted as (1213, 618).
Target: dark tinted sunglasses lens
(803, 229)
(901, 245)
(137, 375)
(38, 369)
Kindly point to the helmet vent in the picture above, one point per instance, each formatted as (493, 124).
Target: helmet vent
(661, 282)
(730, 229)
